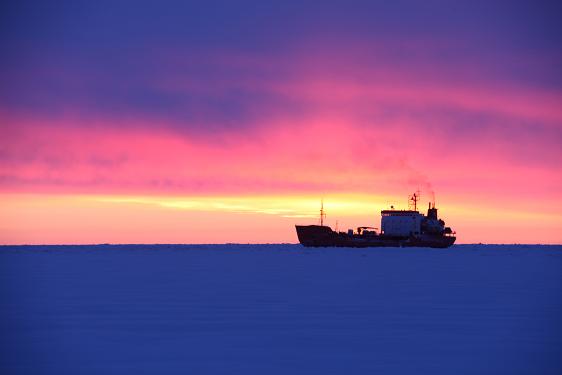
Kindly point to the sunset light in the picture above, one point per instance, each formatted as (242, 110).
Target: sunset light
(294, 187)
(260, 132)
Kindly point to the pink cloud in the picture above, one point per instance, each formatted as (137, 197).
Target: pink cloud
(317, 154)
(367, 124)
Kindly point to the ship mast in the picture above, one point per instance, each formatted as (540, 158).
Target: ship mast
(322, 213)
(413, 201)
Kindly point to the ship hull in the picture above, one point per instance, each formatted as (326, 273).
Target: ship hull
(323, 236)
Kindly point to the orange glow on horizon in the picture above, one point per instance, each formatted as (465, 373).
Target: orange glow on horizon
(85, 219)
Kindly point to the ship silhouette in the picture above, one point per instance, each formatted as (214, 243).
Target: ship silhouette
(399, 228)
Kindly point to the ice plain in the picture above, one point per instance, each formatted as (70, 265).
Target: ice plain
(280, 309)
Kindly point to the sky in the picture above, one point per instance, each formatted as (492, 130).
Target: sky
(229, 121)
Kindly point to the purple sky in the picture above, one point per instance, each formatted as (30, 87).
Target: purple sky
(227, 98)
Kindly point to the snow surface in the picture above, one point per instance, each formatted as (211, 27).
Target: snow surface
(280, 309)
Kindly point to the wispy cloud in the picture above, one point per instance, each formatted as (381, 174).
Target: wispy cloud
(288, 206)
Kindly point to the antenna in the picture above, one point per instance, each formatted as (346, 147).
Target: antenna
(322, 213)
(413, 201)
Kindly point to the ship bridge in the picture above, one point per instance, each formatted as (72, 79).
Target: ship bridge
(401, 223)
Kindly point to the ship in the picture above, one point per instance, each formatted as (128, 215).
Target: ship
(399, 228)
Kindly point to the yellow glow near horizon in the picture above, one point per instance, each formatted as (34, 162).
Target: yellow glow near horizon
(44, 218)
(286, 206)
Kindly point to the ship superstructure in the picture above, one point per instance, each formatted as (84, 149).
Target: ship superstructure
(398, 228)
